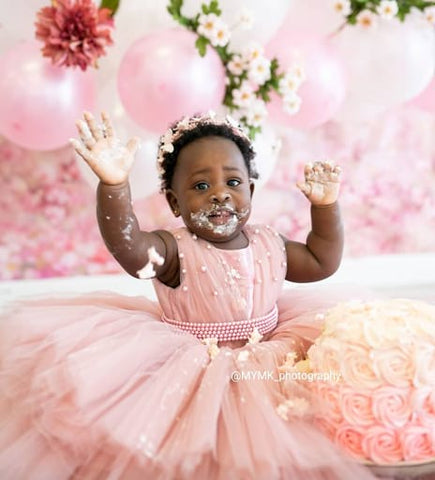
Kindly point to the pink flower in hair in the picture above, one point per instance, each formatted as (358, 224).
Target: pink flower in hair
(74, 32)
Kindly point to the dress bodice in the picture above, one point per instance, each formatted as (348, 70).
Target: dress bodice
(225, 285)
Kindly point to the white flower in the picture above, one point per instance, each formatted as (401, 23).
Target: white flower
(236, 65)
(251, 52)
(166, 140)
(297, 407)
(388, 8)
(429, 14)
(245, 19)
(243, 356)
(298, 71)
(259, 70)
(207, 24)
(290, 358)
(366, 19)
(183, 123)
(167, 136)
(288, 83)
(167, 147)
(243, 95)
(255, 337)
(282, 410)
(256, 113)
(232, 121)
(343, 7)
(212, 347)
(291, 103)
(220, 35)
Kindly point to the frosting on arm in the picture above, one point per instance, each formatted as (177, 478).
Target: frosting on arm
(141, 254)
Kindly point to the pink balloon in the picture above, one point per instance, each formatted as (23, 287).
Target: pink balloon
(324, 88)
(426, 99)
(162, 78)
(40, 102)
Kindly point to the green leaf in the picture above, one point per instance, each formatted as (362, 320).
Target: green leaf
(174, 8)
(112, 5)
(214, 7)
(201, 44)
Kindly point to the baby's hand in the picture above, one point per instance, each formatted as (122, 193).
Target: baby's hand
(322, 183)
(110, 160)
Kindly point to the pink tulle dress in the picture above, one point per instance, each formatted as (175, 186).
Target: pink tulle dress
(103, 386)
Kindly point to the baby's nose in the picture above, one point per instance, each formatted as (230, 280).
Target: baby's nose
(220, 197)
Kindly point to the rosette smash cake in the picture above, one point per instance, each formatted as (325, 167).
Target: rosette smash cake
(378, 402)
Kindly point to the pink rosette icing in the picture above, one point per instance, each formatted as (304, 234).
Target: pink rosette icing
(394, 365)
(424, 400)
(328, 403)
(382, 409)
(392, 406)
(417, 443)
(328, 426)
(382, 445)
(425, 365)
(357, 368)
(356, 407)
(350, 439)
(327, 358)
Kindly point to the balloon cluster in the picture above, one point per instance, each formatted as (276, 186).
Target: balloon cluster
(153, 73)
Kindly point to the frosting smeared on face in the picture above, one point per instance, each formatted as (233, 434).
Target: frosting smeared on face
(221, 220)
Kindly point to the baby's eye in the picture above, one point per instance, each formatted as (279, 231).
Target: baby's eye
(233, 182)
(201, 186)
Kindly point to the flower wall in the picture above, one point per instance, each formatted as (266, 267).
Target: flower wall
(309, 80)
(48, 226)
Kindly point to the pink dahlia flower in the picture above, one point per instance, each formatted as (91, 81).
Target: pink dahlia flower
(74, 32)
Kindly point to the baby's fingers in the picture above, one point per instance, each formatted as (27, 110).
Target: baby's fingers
(85, 133)
(133, 145)
(95, 129)
(336, 172)
(80, 149)
(107, 125)
(305, 188)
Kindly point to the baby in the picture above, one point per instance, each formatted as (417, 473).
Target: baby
(108, 386)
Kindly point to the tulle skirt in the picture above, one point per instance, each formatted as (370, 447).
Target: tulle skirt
(97, 387)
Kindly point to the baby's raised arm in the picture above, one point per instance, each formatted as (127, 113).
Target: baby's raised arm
(141, 254)
(320, 256)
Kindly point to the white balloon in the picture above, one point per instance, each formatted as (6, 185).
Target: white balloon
(108, 101)
(388, 64)
(313, 17)
(144, 179)
(143, 176)
(266, 19)
(267, 146)
(135, 18)
(18, 24)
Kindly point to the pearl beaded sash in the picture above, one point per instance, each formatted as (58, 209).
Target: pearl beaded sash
(227, 331)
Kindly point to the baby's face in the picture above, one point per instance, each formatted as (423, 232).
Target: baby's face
(211, 189)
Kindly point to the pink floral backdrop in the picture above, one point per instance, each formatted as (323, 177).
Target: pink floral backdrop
(354, 83)
(48, 225)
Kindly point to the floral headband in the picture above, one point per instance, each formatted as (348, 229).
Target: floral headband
(166, 141)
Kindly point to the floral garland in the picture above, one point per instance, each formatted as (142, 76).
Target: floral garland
(250, 76)
(364, 12)
(76, 33)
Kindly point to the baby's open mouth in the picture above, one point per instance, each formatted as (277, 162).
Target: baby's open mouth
(220, 216)
(221, 220)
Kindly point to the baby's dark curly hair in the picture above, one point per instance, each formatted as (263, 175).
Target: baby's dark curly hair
(203, 128)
